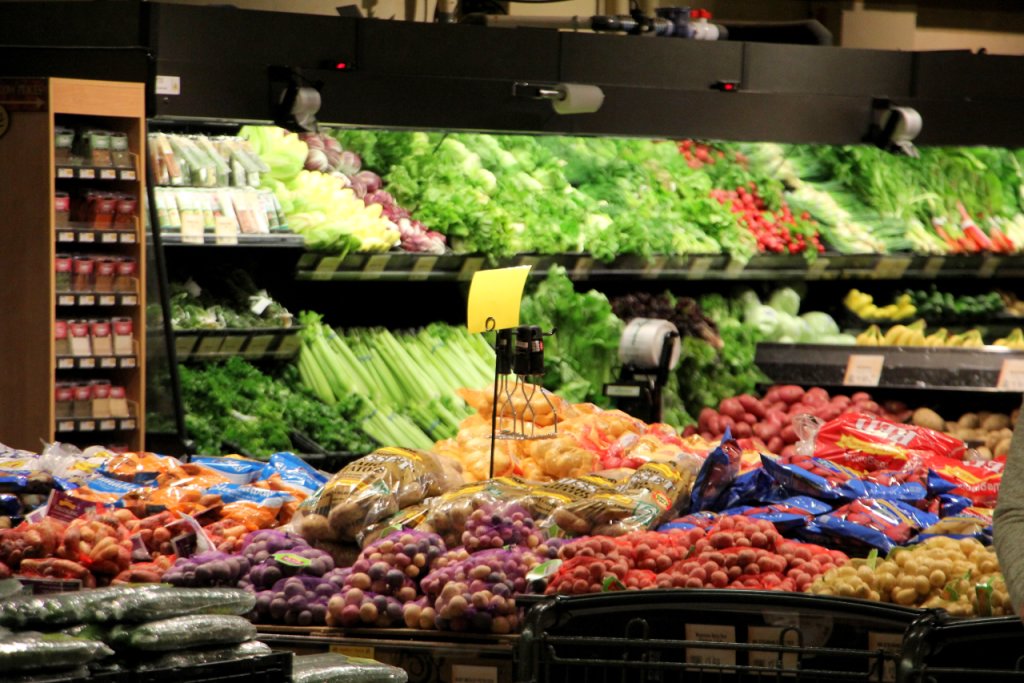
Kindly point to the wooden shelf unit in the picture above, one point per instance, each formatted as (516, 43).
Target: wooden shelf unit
(29, 245)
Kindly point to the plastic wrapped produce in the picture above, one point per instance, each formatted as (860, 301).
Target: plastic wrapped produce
(173, 660)
(447, 514)
(26, 651)
(305, 561)
(338, 668)
(371, 489)
(180, 633)
(497, 526)
(212, 568)
(61, 609)
(146, 603)
(296, 601)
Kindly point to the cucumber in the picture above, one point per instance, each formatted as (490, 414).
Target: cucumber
(162, 602)
(32, 650)
(338, 668)
(182, 633)
(57, 609)
(174, 660)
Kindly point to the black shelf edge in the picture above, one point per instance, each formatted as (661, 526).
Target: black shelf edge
(985, 370)
(278, 241)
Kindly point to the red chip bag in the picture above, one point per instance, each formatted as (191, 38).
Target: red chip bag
(977, 481)
(869, 443)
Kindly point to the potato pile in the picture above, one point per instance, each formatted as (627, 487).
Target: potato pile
(988, 433)
(961, 576)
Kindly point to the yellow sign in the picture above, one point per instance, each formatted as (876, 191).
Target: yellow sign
(494, 298)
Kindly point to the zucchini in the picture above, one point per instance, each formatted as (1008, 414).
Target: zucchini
(338, 668)
(182, 633)
(33, 650)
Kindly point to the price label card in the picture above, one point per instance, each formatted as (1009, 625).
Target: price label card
(470, 266)
(108, 300)
(772, 635)
(209, 346)
(86, 363)
(87, 173)
(129, 300)
(472, 673)
(225, 231)
(128, 424)
(66, 300)
(423, 267)
(711, 633)
(374, 266)
(327, 267)
(192, 229)
(66, 426)
(494, 298)
(351, 650)
(890, 644)
(128, 175)
(108, 425)
(108, 238)
(65, 363)
(127, 238)
(1011, 375)
(863, 370)
(289, 345)
(581, 271)
(108, 362)
(87, 300)
(654, 266)
(736, 267)
(891, 267)
(817, 270)
(108, 174)
(128, 362)
(933, 266)
(65, 172)
(87, 237)
(233, 344)
(183, 345)
(87, 426)
(259, 344)
(990, 266)
(699, 267)
(65, 236)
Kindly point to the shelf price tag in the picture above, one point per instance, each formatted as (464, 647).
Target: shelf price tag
(86, 237)
(209, 346)
(1011, 375)
(771, 635)
(892, 645)
(711, 633)
(699, 267)
(233, 344)
(129, 300)
(225, 230)
(108, 362)
(581, 271)
(863, 370)
(423, 267)
(128, 175)
(65, 236)
(933, 266)
(289, 345)
(470, 267)
(327, 267)
(108, 425)
(990, 266)
(259, 344)
(65, 363)
(127, 238)
(66, 426)
(374, 266)
(108, 238)
(108, 300)
(128, 424)
(108, 174)
(65, 172)
(87, 300)
(87, 426)
(654, 266)
(183, 345)
(66, 300)
(127, 362)
(494, 298)
(87, 173)
(87, 363)
(891, 267)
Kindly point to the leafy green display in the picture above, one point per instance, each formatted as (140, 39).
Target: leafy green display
(582, 354)
(234, 404)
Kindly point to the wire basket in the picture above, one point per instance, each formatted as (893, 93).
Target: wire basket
(941, 649)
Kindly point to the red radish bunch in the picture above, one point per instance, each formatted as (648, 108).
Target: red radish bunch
(416, 237)
(734, 552)
(778, 231)
(698, 154)
(769, 420)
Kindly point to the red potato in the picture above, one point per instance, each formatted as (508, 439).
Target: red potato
(743, 430)
(749, 418)
(751, 405)
(704, 419)
(790, 393)
(731, 407)
(841, 401)
(789, 451)
(776, 417)
(776, 444)
(816, 396)
(725, 422)
(870, 407)
(788, 434)
(860, 397)
(766, 431)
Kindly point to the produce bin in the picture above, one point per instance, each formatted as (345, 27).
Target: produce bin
(941, 649)
(427, 656)
(708, 635)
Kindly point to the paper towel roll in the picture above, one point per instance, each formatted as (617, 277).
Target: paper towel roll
(578, 99)
(643, 340)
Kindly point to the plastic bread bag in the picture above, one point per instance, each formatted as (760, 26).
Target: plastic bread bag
(338, 668)
(370, 489)
(447, 514)
(31, 650)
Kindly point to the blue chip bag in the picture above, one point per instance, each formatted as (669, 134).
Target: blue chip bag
(755, 487)
(791, 513)
(874, 523)
(233, 493)
(693, 520)
(938, 485)
(796, 480)
(716, 475)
